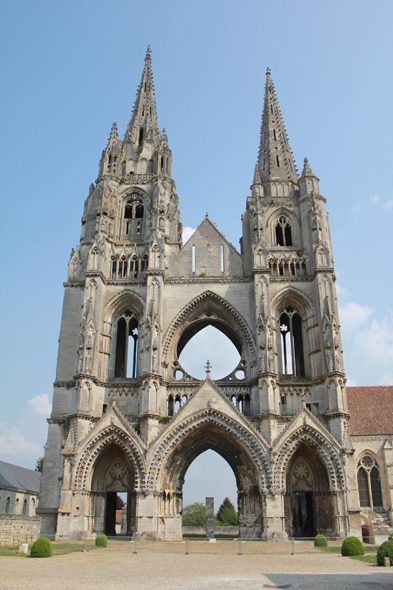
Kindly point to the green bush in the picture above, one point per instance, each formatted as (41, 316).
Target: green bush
(41, 548)
(101, 541)
(385, 550)
(390, 538)
(352, 546)
(320, 541)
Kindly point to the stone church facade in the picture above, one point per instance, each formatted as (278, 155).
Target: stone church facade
(128, 418)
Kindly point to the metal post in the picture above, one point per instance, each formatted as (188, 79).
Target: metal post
(135, 551)
(187, 546)
(293, 546)
(240, 546)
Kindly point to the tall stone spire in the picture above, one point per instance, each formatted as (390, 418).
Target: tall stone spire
(275, 160)
(144, 124)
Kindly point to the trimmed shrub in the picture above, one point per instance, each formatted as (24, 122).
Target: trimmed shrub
(352, 546)
(101, 541)
(320, 541)
(385, 550)
(41, 548)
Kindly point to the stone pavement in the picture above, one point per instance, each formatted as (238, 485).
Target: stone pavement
(161, 566)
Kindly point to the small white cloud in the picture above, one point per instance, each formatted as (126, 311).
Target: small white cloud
(353, 316)
(389, 204)
(386, 379)
(187, 233)
(373, 200)
(12, 442)
(351, 383)
(41, 405)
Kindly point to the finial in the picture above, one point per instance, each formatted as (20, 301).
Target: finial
(207, 217)
(306, 169)
(208, 367)
(148, 52)
(268, 71)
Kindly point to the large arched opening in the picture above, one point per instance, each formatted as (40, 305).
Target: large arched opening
(211, 435)
(309, 504)
(113, 475)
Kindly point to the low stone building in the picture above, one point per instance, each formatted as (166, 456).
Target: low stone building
(19, 488)
(128, 418)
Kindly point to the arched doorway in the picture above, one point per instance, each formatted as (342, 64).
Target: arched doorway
(113, 474)
(209, 435)
(309, 507)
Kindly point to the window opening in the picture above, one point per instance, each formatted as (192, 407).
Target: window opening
(364, 496)
(283, 232)
(193, 259)
(24, 509)
(240, 403)
(184, 400)
(274, 133)
(162, 163)
(271, 109)
(222, 258)
(7, 505)
(177, 404)
(138, 228)
(140, 136)
(126, 347)
(278, 161)
(170, 406)
(291, 343)
(376, 491)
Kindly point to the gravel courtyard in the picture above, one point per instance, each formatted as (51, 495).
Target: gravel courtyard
(164, 566)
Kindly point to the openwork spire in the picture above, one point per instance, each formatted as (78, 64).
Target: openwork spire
(275, 160)
(144, 122)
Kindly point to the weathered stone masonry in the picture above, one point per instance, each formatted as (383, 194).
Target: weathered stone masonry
(135, 296)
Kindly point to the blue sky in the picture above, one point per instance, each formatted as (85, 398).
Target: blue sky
(70, 69)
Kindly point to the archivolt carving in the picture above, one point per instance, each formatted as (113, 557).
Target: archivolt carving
(118, 303)
(254, 447)
(328, 454)
(111, 434)
(235, 316)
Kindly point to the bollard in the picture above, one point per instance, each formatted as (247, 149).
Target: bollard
(135, 551)
(293, 546)
(386, 561)
(187, 546)
(240, 546)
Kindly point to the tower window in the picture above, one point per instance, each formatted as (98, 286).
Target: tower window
(292, 355)
(278, 160)
(274, 134)
(271, 109)
(283, 232)
(193, 263)
(133, 213)
(140, 136)
(126, 346)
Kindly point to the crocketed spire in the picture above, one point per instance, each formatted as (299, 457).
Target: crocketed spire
(275, 160)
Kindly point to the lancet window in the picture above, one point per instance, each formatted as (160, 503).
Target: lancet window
(283, 232)
(369, 483)
(133, 216)
(126, 346)
(292, 355)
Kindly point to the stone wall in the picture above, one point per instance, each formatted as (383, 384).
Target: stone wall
(17, 529)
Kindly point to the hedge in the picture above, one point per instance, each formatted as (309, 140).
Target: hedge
(352, 546)
(320, 541)
(41, 548)
(385, 550)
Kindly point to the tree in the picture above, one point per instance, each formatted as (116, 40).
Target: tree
(227, 515)
(120, 504)
(194, 515)
(39, 464)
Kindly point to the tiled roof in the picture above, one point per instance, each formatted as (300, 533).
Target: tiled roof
(19, 478)
(371, 410)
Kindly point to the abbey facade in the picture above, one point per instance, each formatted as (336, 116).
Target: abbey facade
(128, 418)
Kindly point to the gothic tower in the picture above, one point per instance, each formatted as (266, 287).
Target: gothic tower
(128, 418)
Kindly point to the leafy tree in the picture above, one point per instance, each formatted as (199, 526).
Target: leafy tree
(194, 515)
(120, 504)
(227, 515)
(39, 464)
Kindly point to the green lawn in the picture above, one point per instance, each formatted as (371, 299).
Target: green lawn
(58, 549)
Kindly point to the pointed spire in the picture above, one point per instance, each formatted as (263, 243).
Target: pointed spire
(144, 122)
(306, 169)
(113, 136)
(275, 160)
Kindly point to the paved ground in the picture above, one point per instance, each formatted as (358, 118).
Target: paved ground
(164, 566)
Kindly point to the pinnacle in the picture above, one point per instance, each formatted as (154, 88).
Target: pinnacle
(114, 135)
(306, 169)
